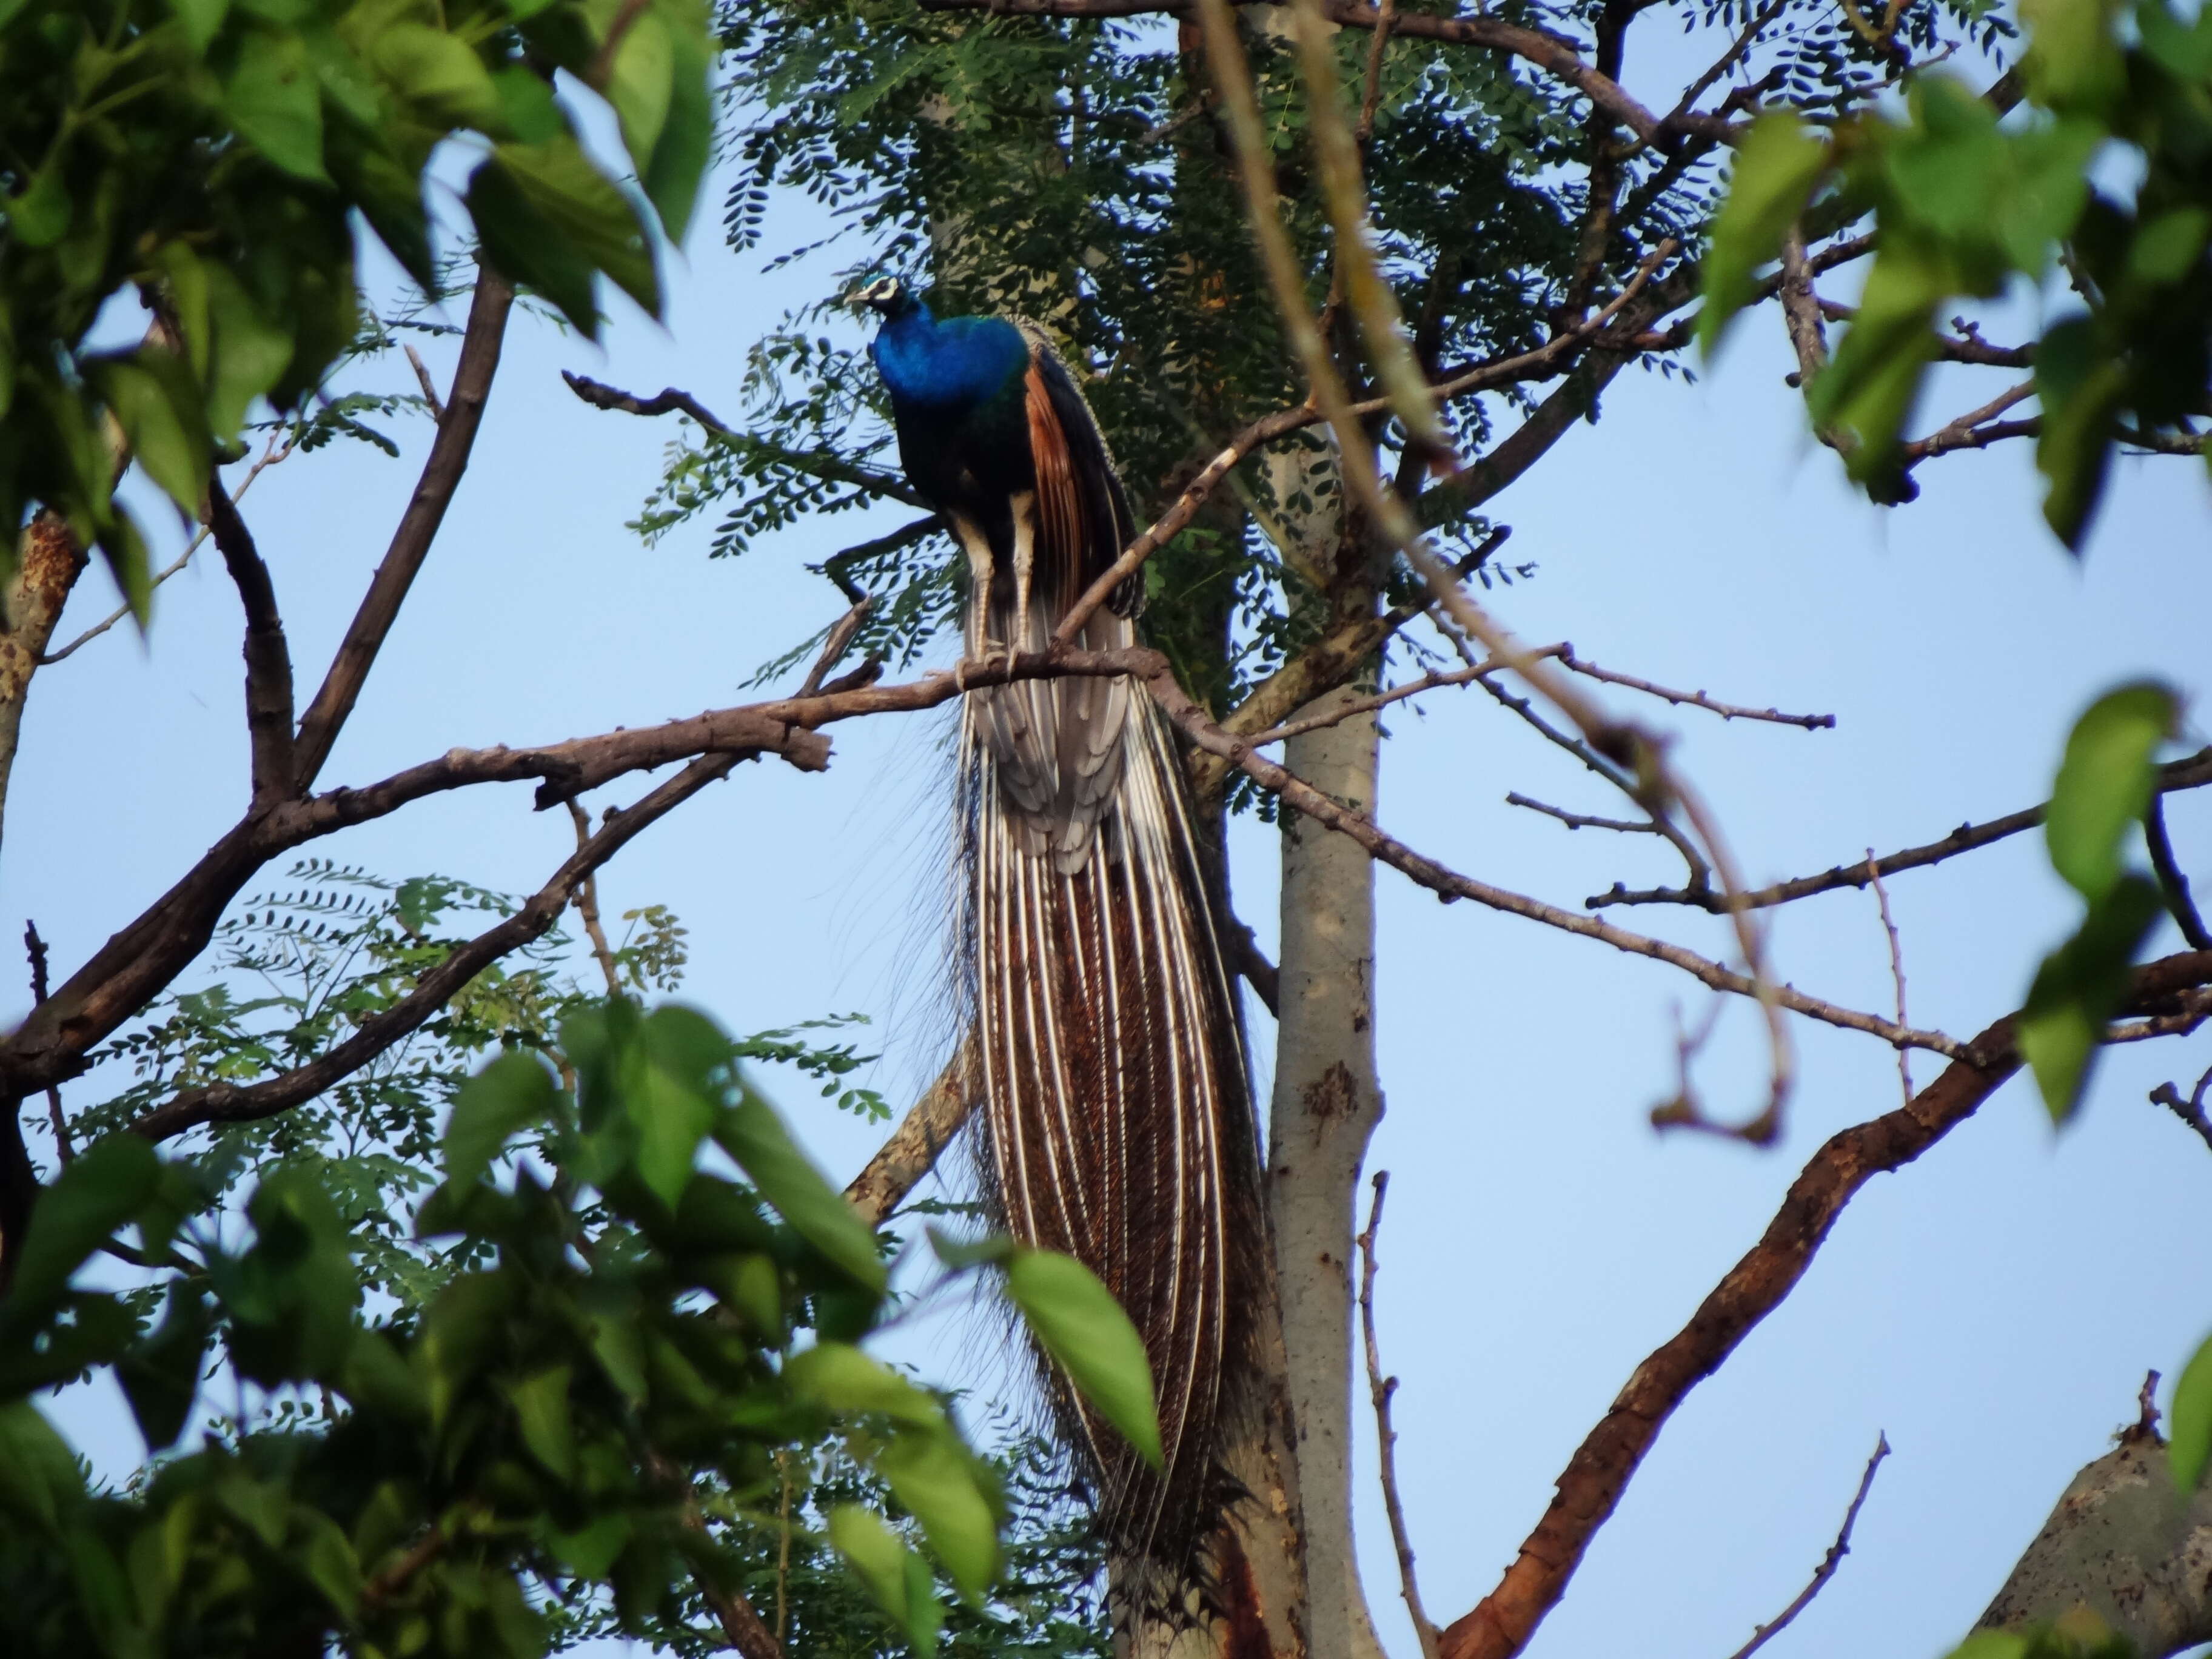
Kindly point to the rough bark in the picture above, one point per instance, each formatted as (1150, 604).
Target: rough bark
(48, 562)
(2125, 1543)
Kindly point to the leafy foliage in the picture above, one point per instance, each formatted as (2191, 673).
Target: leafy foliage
(517, 1357)
(210, 157)
(1965, 203)
(2103, 789)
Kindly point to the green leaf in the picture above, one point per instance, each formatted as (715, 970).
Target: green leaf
(2080, 987)
(591, 1552)
(942, 1487)
(124, 547)
(101, 1189)
(1776, 166)
(890, 1572)
(840, 1378)
(1868, 388)
(325, 1559)
(272, 95)
(638, 84)
(1076, 1319)
(2083, 384)
(39, 215)
(437, 72)
(509, 1095)
(375, 1377)
(2188, 1447)
(158, 403)
(203, 20)
(2073, 59)
(161, 1376)
(752, 1134)
(39, 1475)
(671, 178)
(527, 105)
(2105, 782)
(550, 218)
(250, 353)
(541, 1407)
(958, 1253)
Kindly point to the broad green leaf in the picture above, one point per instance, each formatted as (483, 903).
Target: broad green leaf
(638, 85)
(2189, 1444)
(39, 215)
(509, 1095)
(124, 547)
(39, 1475)
(591, 1551)
(1776, 166)
(619, 1348)
(203, 20)
(2073, 59)
(541, 1407)
(161, 1375)
(942, 1487)
(527, 105)
(671, 178)
(752, 1134)
(841, 1378)
(376, 1377)
(265, 1508)
(958, 1253)
(184, 279)
(1870, 386)
(156, 398)
(1992, 1644)
(2105, 781)
(2081, 383)
(101, 1189)
(437, 72)
(273, 97)
(550, 218)
(326, 1559)
(2167, 248)
(671, 1114)
(890, 1572)
(2080, 987)
(250, 353)
(1076, 1319)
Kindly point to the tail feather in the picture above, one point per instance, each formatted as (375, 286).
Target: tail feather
(1119, 1114)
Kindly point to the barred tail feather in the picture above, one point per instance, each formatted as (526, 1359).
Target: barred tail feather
(1119, 1115)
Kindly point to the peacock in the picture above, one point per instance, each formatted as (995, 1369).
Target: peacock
(1117, 1108)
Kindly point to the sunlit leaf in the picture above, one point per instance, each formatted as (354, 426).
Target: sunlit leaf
(2189, 1444)
(2105, 782)
(1777, 165)
(2080, 987)
(1076, 1319)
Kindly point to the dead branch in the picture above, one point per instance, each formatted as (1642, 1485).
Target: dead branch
(2189, 1111)
(2191, 772)
(1380, 1389)
(1727, 711)
(226, 1103)
(1599, 1472)
(1413, 687)
(1829, 1563)
(35, 949)
(418, 528)
(588, 905)
(1896, 967)
(268, 659)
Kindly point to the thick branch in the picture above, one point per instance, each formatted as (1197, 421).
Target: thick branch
(419, 526)
(1599, 1470)
(226, 1103)
(268, 660)
(2193, 772)
(921, 1136)
(48, 562)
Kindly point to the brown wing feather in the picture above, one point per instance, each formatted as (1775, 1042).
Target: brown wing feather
(1061, 536)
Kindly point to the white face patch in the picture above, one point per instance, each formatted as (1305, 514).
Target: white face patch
(883, 291)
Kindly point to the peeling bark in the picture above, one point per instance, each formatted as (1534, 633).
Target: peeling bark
(2127, 1545)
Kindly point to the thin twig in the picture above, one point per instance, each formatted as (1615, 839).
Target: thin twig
(1583, 820)
(1727, 711)
(35, 948)
(2171, 877)
(429, 386)
(1381, 1389)
(1896, 967)
(2189, 1111)
(2193, 772)
(1829, 1563)
(1344, 711)
(587, 903)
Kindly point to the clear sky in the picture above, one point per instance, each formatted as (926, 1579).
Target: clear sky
(1993, 1308)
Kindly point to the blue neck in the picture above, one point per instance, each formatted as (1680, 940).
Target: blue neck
(961, 361)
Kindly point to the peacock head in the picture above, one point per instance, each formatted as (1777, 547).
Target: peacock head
(887, 296)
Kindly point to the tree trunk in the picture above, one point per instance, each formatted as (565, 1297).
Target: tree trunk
(1327, 1104)
(48, 562)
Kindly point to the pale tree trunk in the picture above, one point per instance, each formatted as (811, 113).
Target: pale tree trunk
(2125, 1547)
(1327, 1104)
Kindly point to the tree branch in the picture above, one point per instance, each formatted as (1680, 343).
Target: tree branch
(1727, 711)
(922, 1134)
(1449, 885)
(418, 527)
(1380, 1389)
(2189, 1111)
(2170, 876)
(268, 660)
(226, 1103)
(1829, 1563)
(2193, 772)
(1601, 1468)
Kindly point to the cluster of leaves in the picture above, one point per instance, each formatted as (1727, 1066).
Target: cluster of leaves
(1965, 203)
(211, 157)
(515, 1382)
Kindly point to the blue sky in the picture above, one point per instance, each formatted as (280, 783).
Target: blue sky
(1992, 1307)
